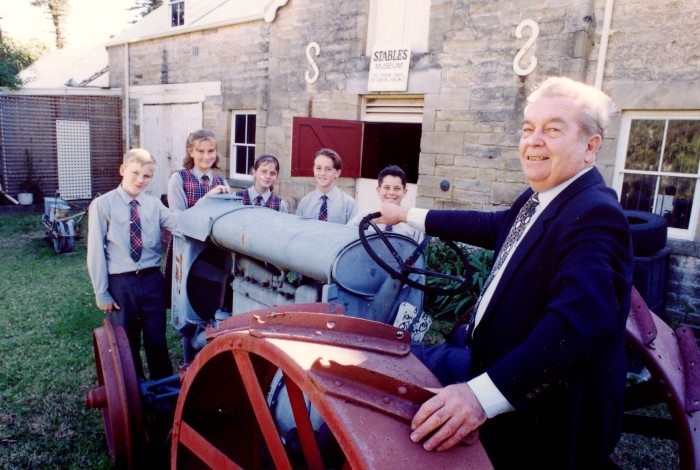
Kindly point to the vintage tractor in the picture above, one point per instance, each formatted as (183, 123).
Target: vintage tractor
(299, 335)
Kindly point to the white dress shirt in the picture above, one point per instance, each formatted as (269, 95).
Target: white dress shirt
(109, 239)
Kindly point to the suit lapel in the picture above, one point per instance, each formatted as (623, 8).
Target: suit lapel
(535, 234)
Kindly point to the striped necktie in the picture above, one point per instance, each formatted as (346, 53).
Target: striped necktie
(135, 236)
(516, 231)
(258, 201)
(323, 213)
(205, 183)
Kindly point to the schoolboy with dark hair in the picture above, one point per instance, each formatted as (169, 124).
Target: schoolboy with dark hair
(327, 202)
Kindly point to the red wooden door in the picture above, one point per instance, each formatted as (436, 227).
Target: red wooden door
(312, 134)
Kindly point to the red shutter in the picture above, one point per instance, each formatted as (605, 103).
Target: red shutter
(311, 134)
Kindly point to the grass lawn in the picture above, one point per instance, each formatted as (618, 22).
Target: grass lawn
(47, 314)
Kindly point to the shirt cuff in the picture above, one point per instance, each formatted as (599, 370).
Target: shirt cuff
(491, 399)
(416, 218)
(104, 298)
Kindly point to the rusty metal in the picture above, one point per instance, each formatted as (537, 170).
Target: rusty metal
(671, 358)
(641, 322)
(335, 330)
(236, 322)
(117, 394)
(690, 355)
(360, 378)
(222, 419)
(368, 388)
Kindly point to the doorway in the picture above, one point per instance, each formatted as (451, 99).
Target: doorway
(164, 131)
(387, 143)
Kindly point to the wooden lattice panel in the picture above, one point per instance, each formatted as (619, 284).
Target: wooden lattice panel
(73, 148)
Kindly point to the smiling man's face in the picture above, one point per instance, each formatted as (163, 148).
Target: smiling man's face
(553, 146)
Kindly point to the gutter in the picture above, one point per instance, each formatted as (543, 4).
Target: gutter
(127, 134)
(603, 51)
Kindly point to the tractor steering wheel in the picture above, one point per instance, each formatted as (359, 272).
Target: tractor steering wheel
(404, 268)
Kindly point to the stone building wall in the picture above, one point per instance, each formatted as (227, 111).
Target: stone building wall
(237, 56)
(471, 127)
(340, 30)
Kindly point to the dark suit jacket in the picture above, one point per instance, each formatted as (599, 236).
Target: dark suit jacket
(552, 337)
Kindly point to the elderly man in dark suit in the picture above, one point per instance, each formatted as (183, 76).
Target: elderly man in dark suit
(541, 370)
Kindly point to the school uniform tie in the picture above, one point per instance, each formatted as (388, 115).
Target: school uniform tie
(516, 231)
(258, 201)
(136, 241)
(389, 228)
(205, 183)
(323, 213)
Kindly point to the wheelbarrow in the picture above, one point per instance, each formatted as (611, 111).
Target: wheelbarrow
(64, 223)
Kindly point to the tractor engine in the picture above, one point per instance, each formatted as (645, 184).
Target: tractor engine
(229, 258)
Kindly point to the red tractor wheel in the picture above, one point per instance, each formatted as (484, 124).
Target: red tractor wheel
(358, 375)
(117, 394)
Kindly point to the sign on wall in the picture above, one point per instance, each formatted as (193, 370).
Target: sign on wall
(388, 69)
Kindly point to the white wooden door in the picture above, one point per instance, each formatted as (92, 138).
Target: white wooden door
(164, 131)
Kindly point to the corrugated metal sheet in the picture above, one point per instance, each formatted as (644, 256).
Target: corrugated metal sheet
(28, 123)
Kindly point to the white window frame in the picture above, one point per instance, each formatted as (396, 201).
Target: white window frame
(177, 4)
(235, 145)
(398, 22)
(620, 171)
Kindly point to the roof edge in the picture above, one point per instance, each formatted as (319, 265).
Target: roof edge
(186, 30)
(63, 91)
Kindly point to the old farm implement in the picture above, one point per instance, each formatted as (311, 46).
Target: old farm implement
(63, 221)
(301, 339)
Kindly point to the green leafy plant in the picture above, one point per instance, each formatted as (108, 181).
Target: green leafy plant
(30, 183)
(14, 58)
(439, 257)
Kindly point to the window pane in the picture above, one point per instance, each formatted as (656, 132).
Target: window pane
(239, 131)
(644, 147)
(675, 200)
(251, 129)
(177, 13)
(241, 159)
(173, 15)
(250, 159)
(682, 149)
(243, 142)
(637, 191)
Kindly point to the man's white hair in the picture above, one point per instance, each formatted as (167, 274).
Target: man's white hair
(596, 107)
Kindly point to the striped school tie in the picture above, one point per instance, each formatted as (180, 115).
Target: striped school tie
(323, 213)
(516, 231)
(135, 236)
